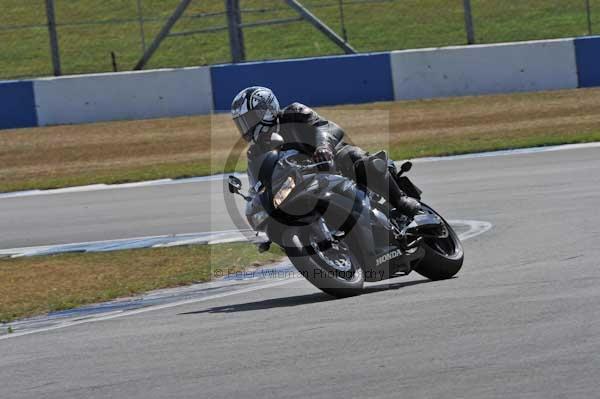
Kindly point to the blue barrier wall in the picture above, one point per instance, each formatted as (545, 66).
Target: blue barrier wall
(587, 52)
(17, 105)
(315, 81)
(322, 81)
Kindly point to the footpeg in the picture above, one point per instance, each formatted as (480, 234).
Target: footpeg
(426, 225)
(414, 244)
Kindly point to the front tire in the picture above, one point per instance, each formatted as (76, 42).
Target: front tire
(318, 271)
(443, 256)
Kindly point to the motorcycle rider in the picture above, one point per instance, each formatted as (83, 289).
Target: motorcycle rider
(257, 114)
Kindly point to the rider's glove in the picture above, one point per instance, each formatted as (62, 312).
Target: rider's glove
(323, 154)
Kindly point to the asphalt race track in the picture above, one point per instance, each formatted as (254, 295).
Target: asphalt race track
(113, 214)
(519, 321)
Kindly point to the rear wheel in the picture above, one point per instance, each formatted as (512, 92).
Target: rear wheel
(443, 256)
(329, 264)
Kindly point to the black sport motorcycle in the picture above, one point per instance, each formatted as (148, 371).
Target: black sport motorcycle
(339, 234)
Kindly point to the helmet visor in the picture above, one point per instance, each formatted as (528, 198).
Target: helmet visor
(247, 122)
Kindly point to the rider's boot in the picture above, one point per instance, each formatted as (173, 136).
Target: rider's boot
(403, 203)
(380, 180)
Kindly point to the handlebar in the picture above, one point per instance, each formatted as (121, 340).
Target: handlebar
(317, 166)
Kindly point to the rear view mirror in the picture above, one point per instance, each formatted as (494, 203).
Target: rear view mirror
(406, 167)
(235, 185)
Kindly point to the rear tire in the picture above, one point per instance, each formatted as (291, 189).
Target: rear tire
(317, 272)
(443, 257)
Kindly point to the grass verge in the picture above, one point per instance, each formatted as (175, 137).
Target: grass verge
(36, 285)
(118, 152)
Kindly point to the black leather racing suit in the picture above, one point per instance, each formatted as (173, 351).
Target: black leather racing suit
(304, 130)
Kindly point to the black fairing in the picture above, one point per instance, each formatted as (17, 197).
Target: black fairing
(345, 206)
(409, 188)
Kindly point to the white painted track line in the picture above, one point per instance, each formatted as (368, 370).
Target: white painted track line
(99, 187)
(476, 228)
(114, 315)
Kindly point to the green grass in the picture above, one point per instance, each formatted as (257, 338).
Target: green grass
(177, 170)
(36, 285)
(425, 148)
(475, 144)
(376, 26)
(127, 151)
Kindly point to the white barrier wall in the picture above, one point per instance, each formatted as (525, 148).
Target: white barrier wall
(127, 95)
(484, 69)
(336, 80)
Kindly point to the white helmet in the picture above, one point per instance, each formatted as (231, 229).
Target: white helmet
(255, 110)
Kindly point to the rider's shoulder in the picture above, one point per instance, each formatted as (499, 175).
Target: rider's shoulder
(298, 112)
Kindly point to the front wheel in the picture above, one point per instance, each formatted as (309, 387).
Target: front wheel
(330, 265)
(443, 256)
